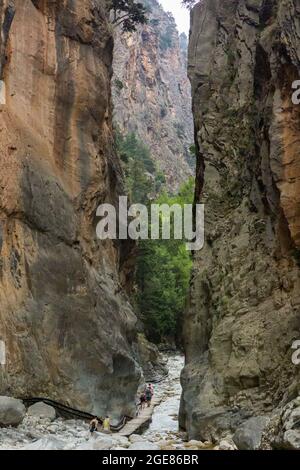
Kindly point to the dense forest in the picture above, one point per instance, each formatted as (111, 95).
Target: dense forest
(163, 266)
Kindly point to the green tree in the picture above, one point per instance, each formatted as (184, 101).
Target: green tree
(189, 3)
(127, 13)
(141, 176)
(163, 266)
(163, 274)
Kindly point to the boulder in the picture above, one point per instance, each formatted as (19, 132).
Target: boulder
(46, 443)
(291, 439)
(41, 410)
(102, 442)
(145, 445)
(248, 435)
(12, 411)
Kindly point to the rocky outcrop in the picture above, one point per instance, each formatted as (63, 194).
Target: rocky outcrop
(65, 319)
(151, 93)
(244, 309)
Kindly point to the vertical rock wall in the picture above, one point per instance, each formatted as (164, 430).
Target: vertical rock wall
(66, 322)
(244, 309)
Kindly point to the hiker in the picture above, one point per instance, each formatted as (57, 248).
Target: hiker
(148, 394)
(106, 425)
(152, 389)
(94, 425)
(143, 400)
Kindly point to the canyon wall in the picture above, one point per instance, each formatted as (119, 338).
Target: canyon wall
(244, 307)
(151, 93)
(65, 318)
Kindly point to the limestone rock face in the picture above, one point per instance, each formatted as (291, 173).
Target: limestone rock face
(66, 322)
(151, 93)
(244, 309)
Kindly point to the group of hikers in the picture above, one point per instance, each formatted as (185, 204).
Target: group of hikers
(146, 397)
(103, 425)
(95, 425)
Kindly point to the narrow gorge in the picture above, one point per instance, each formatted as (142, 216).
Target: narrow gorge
(103, 101)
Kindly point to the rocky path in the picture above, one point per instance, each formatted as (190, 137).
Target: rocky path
(47, 433)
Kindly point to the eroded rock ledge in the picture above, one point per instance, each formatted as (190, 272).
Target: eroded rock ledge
(244, 310)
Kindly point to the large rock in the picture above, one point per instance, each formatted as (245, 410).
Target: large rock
(12, 411)
(240, 323)
(291, 440)
(65, 317)
(248, 436)
(286, 435)
(42, 410)
(103, 442)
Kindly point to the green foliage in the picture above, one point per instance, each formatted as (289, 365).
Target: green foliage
(192, 150)
(296, 254)
(163, 266)
(137, 163)
(127, 13)
(143, 178)
(163, 274)
(119, 84)
(154, 22)
(189, 3)
(180, 131)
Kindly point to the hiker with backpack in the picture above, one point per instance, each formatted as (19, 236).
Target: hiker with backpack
(94, 426)
(143, 400)
(148, 394)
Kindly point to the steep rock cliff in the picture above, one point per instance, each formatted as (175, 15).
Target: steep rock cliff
(151, 92)
(244, 309)
(66, 322)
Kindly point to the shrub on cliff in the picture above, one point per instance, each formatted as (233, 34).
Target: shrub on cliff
(127, 13)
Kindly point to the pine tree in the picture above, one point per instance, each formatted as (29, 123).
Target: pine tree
(127, 13)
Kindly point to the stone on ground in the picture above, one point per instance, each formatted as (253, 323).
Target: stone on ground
(249, 434)
(41, 410)
(102, 442)
(291, 439)
(136, 438)
(12, 411)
